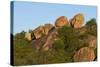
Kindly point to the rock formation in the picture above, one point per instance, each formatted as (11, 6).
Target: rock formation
(42, 30)
(61, 21)
(38, 43)
(47, 28)
(60, 42)
(43, 36)
(84, 54)
(38, 32)
(77, 21)
(45, 43)
(50, 40)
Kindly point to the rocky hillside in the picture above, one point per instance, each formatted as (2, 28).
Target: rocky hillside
(69, 40)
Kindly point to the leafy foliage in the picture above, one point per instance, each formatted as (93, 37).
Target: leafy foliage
(58, 45)
(23, 51)
(92, 27)
(68, 35)
(20, 35)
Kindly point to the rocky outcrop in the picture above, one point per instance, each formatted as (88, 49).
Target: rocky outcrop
(38, 32)
(47, 28)
(42, 30)
(43, 36)
(45, 43)
(61, 42)
(84, 54)
(50, 40)
(77, 21)
(61, 21)
(38, 43)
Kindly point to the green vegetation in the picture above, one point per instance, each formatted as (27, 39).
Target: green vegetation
(58, 45)
(92, 27)
(23, 51)
(68, 35)
(71, 41)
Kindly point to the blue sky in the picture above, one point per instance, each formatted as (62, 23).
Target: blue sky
(29, 15)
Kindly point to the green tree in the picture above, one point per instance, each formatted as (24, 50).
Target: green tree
(58, 45)
(69, 36)
(71, 41)
(92, 27)
(20, 35)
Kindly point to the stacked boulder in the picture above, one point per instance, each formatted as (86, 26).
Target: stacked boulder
(39, 32)
(77, 21)
(61, 21)
(45, 42)
(47, 28)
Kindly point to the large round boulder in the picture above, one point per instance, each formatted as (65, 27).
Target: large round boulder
(77, 21)
(84, 54)
(61, 21)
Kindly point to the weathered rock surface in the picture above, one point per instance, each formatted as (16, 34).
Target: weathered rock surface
(50, 40)
(92, 42)
(38, 43)
(77, 21)
(45, 43)
(28, 36)
(38, 32)
(47, 28)
(42, 30)
(84, 54)
(61, 21)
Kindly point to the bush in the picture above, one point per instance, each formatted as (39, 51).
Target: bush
(68, 35)
(92, 27)
(24, 54)
(58, 45)
(20, 35)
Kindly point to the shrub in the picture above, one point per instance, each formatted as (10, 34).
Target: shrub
(92, 27)
(24, 54)
(58, 45)
(68, 35)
